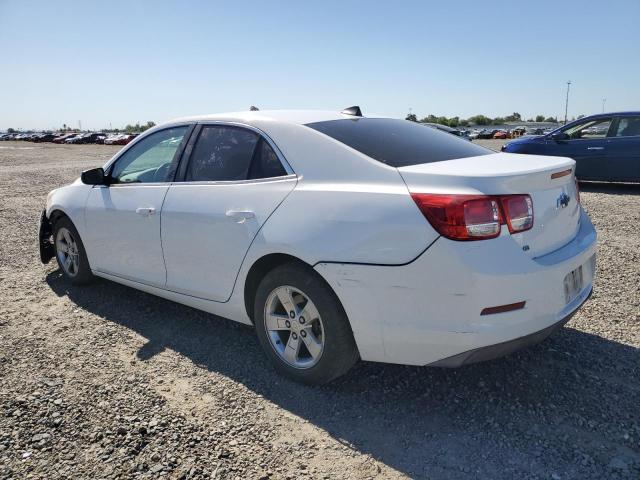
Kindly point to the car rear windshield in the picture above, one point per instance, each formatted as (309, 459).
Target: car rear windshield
(398, 143)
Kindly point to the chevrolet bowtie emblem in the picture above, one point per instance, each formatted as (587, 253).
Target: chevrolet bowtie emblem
(562, 201)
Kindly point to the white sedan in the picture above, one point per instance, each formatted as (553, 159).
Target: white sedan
(337, 236)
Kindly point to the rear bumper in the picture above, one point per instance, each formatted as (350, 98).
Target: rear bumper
(498, 350)
(430, 310)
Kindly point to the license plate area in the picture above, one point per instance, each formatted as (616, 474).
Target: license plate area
(573, 283)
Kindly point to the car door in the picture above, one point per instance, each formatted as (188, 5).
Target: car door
(123, 218)
(623, 150)
(232, 182)
(587, 145)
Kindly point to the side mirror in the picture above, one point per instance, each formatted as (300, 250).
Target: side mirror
(95, 176)
(560, 137)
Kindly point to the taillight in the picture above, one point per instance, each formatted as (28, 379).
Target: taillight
(518, 211)
(461, 217)
(475, 217)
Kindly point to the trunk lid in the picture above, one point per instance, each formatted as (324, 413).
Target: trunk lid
(555, 207)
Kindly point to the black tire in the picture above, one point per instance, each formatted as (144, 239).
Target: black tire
(340, 352)
(83, 275)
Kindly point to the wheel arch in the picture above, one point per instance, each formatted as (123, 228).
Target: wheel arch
(56, 214)
(258, 270)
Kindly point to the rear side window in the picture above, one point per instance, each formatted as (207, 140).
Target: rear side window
(398, 143)
(222, 154)
(628, 127)
(265, 162)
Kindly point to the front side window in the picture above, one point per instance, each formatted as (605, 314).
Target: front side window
(628, 127)
(591, 129)
(398, 143)
(150, 159)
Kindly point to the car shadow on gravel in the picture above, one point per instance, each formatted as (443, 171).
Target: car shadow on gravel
(561, 408)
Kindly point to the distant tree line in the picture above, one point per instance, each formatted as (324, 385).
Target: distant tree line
(137, 128)
(479, 119)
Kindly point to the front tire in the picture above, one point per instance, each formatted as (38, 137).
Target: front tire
(302, 326)
(70, 253)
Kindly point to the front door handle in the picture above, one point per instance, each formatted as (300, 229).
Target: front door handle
(145, 211)
(240, 216)
(595, 148)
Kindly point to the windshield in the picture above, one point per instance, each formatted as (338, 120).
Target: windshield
(398, 143)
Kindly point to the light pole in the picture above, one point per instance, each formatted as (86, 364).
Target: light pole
(566, 105)
(604, 100)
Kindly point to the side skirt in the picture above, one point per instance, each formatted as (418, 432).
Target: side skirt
(227, 310)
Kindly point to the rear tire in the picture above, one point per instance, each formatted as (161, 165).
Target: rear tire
(70, 253)
(312, 350)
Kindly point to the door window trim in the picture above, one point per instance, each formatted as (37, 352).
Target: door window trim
(195, 134)
(175, 162)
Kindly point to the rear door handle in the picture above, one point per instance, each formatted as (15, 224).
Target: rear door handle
(240, 216)
(595, 148)
(145, 211)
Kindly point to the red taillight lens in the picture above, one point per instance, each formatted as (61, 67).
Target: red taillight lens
(475, 217)
(518, 211)
(461, 217)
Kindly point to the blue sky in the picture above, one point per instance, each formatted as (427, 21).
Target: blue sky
(122, 62)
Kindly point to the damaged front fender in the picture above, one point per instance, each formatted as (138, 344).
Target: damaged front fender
(45, 240)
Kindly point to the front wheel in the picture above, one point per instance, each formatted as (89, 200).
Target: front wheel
(302, 326)
(70, 253)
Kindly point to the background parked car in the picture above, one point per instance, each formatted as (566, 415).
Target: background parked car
(75, 139)
(44, 137)
(63, 138)
(501, 135)
(89, 137)
(486, 134)
(92, 137)
(121, 139)
(605, 147)
(112, 138)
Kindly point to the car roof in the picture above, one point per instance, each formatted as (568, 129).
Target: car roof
(299, 117)
(609, 114)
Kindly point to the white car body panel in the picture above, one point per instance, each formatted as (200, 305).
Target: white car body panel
(70, 200)
(120, 241)
(367, 226)
(430, 309)
(411, 296)
(206, 235)
(509, 174)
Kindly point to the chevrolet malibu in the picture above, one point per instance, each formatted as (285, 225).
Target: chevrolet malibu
(339, 237)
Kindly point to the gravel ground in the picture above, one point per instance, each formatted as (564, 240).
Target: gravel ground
(109, 382)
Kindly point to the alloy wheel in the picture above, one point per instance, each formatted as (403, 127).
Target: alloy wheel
(67, 251)
(294, 327)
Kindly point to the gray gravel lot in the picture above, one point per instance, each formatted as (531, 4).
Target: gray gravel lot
(109, 382)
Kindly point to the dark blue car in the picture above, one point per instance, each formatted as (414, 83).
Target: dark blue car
(605, 147)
